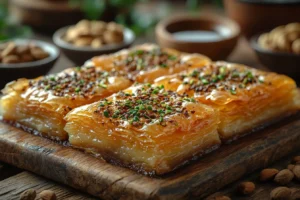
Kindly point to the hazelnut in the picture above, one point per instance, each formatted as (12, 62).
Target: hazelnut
(83, 41)
(296, 49)
(97, 28)
(83, 24)
(284, 177)
(222, 198)
(9, 50)
(268, 174)
(46, 195)
(264, 41)
(28, 195)
(26, 58)
(246, 188)
(292, 27)
(291, 167)
(112, 37)
(112, 26)
(71, 34)
(296, 172)
(97, 42)
(11, 59)
(38, 53)
(280, 193)
(22, 49)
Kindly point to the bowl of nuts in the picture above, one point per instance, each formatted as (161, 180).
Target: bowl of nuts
(25, 58)
(87, 39)
(279, 49)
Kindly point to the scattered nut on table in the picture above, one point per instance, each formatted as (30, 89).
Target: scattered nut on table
(296, 171)
(94, 34)
(28, 195)
(282, 39)
(280, 193)
(46, 195)
(268, 174)
(14, 53)
(246, 188)
(284, 177)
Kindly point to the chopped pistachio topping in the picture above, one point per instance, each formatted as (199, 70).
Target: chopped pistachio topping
(139, 59)
(220, 77)
(148, 104)
(83, 81)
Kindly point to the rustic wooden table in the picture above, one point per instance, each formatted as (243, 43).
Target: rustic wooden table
(14, 181)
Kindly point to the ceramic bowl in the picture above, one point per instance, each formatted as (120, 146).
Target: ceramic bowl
(215, 49)
(9, 72)
(79, 55)
(281, 62)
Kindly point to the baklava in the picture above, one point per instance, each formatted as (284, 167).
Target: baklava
(144, 127)
(148, 61)
(245, 97)
(41, 104)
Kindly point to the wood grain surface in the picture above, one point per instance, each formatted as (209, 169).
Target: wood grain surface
(200, 178)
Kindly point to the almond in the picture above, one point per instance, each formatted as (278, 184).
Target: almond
(268, 174)
(246, 187)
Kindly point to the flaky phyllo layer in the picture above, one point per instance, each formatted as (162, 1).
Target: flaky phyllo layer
(147, 62)
(146, 127)
(245, 97)
(149, 108)
(42, 103)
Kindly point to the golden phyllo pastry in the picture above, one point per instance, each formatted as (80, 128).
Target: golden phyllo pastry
(41, 104)
(146, 62)
(245, 97)
(144, 127)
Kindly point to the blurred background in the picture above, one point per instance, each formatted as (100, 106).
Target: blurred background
(243, 19)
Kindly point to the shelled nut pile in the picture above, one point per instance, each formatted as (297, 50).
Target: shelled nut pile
(11, 52)
(94, 34)
(282, 39)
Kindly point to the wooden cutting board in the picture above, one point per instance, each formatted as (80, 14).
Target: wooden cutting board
(194, 181)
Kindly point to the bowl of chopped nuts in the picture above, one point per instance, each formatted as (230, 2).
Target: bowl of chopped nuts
(87, 39)
(279, 49)
(25, 58)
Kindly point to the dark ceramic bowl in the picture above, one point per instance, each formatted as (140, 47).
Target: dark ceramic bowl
(80, 54)
(10, 72)
(284, 63)
(216, 49)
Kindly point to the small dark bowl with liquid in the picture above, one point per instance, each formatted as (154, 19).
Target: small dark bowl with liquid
(210, 35)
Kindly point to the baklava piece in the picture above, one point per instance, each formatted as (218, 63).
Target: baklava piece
(146, 128)
(245, 97)
(146, 62)
(41, 104)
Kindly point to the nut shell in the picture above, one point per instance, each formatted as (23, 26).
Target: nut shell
(280, 193)
(28, 195)
(284, 177)
(296, 171)
(46, 195)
